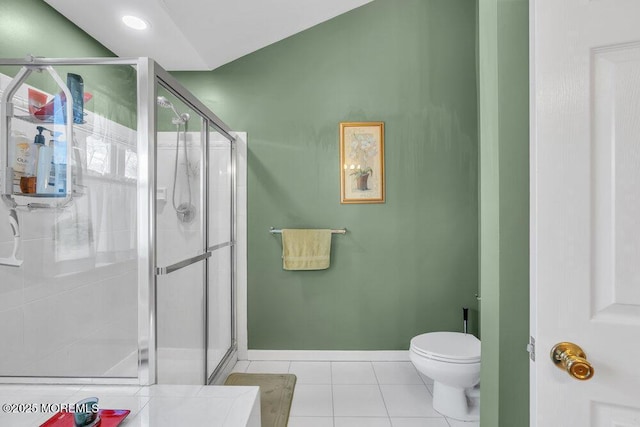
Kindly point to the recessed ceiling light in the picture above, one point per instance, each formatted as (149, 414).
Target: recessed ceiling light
(135, 22)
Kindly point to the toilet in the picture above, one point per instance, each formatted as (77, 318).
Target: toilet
(452, 360)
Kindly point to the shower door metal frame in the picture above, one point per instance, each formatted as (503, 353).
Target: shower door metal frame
(209, 120)
(148, 75)
(232, 351)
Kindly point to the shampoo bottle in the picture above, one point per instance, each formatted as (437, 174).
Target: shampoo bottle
(28, 154)
(20, 146)
(45, 159)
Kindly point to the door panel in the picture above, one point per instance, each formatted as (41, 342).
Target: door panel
(220, 236)
(219, 307)
(585, 205)
(616, 173)
(606, 415)
(219, 189)
(180, 328)
(180, 243)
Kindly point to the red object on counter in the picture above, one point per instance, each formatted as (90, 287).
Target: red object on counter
(108, 418)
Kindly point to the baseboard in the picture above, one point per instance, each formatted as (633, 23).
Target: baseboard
(331, 355)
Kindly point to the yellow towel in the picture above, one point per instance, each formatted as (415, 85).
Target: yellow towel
(306, 249)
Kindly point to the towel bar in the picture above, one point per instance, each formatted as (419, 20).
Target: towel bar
(335, 231)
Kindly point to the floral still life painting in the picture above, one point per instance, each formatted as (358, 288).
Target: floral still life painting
(362, 162)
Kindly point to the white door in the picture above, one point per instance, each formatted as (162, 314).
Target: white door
(585, 209)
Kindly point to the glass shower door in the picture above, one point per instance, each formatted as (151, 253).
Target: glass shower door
(220, 298)
(180, 243)
(180, 328)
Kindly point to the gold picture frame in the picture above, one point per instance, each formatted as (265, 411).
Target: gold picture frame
(362, 162)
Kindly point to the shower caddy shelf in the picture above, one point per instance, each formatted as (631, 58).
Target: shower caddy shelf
(30, 201)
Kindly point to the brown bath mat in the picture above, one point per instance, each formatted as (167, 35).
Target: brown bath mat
(276, 394)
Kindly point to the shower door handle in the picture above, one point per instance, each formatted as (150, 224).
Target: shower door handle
(160, 271)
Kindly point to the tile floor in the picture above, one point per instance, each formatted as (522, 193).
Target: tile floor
(357, 394)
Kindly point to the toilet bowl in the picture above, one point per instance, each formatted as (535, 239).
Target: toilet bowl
(452, 360)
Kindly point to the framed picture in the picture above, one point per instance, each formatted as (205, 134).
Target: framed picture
(362, 162)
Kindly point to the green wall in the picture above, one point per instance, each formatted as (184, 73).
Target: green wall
(504, 211)
(406, 266)
(33, 27)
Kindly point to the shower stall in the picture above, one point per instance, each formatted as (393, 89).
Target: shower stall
(117, 226)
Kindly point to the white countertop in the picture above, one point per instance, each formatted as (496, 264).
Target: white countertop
(153, 406)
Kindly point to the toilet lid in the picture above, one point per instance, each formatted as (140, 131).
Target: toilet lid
(454, 346)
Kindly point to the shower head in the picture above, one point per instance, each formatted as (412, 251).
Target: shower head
(180, 119)
(164, 102)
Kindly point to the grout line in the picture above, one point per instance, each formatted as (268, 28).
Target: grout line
(384, 402)
(333, 411)
(422, 378)
(387, 417)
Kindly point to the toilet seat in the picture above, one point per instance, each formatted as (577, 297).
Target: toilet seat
(451, 347)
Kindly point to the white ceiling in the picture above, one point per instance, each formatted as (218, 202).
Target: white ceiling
(197, 34)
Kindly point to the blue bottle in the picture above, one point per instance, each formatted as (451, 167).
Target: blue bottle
(76, 87)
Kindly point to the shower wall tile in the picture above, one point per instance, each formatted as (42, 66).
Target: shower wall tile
(109, 337)
(61, 316)
(219, 321)
(179, 297)
(107, 204)
(219, 190)
(71, 309)
(112, 343)
(120, 244)
(11, 338)
(44, 276)
(6, 232)
(37, 224)
(96, 330)
(52, 323)
(127, 367)
(176, 240)
(12, 283)
(45, 324)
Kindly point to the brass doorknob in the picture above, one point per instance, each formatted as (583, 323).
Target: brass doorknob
(571, 358)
